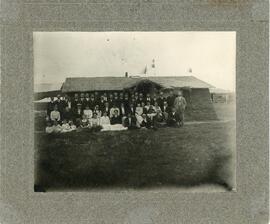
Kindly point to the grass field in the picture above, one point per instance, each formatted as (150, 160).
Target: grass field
(188, 156)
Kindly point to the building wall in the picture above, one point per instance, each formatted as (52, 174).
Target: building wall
(200, 106)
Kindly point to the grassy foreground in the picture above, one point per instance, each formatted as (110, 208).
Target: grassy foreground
(191, 155)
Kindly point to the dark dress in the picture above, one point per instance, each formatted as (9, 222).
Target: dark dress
(116, 120)
(173, 119)
(130, 123)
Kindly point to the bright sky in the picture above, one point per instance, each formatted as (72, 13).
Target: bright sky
(210, 55)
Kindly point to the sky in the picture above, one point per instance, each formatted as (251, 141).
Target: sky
(209, 56)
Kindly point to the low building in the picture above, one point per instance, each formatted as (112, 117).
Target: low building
(196, 91)
(221, 95)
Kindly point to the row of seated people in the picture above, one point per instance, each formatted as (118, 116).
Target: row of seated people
(142, 118)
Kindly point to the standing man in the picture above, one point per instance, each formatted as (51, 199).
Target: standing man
(106, 108)
(75, 102)
(180, 106)
(60, 104)
(92, 102)
(161, 99)
(170, 99)
(50, 106)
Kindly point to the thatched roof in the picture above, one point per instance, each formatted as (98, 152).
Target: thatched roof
(84, 84)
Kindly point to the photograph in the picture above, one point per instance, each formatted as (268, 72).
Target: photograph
(134, 110)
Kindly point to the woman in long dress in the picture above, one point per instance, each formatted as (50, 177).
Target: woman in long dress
(138, 114)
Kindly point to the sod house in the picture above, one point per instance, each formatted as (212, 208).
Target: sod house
(196, 92)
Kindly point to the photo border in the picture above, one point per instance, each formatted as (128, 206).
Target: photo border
(20, 203)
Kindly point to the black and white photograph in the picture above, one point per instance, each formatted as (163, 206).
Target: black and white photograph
(134, 110)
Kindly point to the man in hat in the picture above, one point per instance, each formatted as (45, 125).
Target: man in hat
(180, 106)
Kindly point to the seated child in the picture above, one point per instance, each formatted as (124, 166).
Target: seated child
(88, 112)
(97, 111)
(72, 126)
(151, 112)
(56, 127)
(84, 122)
(159, 117)
(94, 122)
(65, 126)
(49, 129)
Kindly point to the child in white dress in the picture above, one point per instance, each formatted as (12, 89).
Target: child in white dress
(88, 112)
(94, 121)
(65, 127)
(49, 129)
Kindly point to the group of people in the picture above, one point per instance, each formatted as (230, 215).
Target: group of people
(115, 111)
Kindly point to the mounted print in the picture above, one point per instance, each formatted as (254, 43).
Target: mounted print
(134, 110)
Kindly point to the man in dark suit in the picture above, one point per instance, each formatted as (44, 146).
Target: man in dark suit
(101, 103)
(67, 114)
(123, 111)
(131, 109)
(126, 98)
(116, 100)
(85, 101)
(145, 109)
(121, 98)
(92, 102)
(82, 98)
(165, 107)
(60, 104)
(75, 102)
(147, 98)
(50, 106)
(77, 113)
(130, 121)
(154, 99)
(67, 102)
(110, 100)
(141, 98)
(161, 99)
(173, 118)
(170, 99)
(145, 122)
(106, 108)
